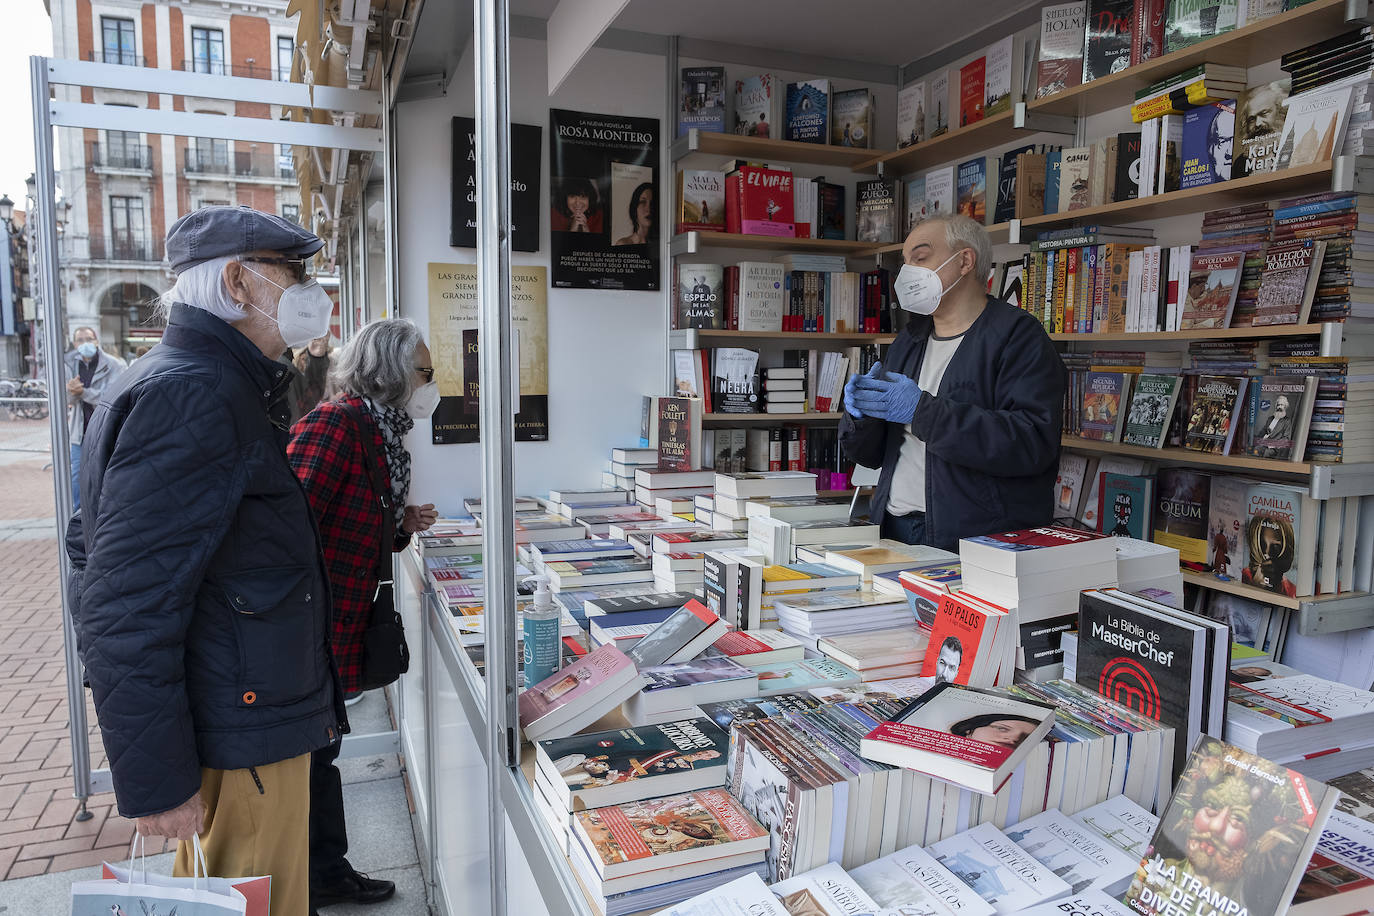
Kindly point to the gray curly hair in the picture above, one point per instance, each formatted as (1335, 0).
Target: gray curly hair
(378, 363)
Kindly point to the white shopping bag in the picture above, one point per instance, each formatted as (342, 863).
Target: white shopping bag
(133, 892)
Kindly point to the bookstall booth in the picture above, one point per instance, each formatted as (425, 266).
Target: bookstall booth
(608, 335)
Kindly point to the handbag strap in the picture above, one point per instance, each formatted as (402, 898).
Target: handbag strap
(372, 464)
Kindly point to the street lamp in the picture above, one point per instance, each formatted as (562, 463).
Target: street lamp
(6, 210)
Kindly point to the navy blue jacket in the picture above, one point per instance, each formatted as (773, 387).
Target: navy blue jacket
(991, 432)
(202, 603)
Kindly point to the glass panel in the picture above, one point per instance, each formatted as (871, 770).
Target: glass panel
(286, 49)
(128, 233)
(117, 36)
(207, 50)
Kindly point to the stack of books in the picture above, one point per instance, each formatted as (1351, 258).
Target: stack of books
(838, 613)
(447, 537)
(784, 390)
(886, 556)
(575, 697)
(1145, 567)
(881, 654)
(625, 619)
(655, 483)
(673, 691)
(620, 469)
(679, 556)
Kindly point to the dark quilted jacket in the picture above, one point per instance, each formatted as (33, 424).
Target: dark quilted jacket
(991, 431)
(202, 601)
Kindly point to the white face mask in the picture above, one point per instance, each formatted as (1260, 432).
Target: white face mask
(919, 289)
(303, 311)
(423, 401)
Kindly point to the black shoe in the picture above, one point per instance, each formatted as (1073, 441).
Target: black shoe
(353, 888)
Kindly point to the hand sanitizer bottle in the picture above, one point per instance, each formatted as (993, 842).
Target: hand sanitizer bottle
(543, 640)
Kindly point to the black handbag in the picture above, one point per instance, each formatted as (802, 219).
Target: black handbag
(385, 654)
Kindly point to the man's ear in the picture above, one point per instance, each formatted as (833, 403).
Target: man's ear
(236, 282)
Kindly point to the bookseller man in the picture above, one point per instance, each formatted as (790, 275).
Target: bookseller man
(964, 414)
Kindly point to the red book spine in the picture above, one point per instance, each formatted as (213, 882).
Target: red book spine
(1147, 37)
(1070, 283)
(704, 356)
(733, 182)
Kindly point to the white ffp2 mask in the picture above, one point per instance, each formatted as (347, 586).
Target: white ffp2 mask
(303, 311)
(423, 401)
(919, 289)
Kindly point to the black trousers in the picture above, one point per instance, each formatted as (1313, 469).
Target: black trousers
(909, 529)
(328, 831)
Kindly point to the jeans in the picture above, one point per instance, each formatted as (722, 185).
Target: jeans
(909, 529)
(76, 476)
(328, 832)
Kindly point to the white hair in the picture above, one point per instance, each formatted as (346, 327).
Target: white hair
(962, 232)
(379, 361)
(202, 286)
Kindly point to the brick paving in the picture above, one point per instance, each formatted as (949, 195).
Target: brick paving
(38, 830)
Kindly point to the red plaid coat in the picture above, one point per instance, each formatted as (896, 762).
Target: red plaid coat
(328, 458)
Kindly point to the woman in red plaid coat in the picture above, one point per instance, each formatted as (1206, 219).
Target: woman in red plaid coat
(385, 382)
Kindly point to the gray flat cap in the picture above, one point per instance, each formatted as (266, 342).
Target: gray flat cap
(218, 231)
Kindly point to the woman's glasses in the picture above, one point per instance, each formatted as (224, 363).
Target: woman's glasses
(427, 372)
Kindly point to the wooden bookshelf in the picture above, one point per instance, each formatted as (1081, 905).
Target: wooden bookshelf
(753, 419)
(1236, 587)
(1267, 186)
(1288, 330)
(694, 338)
(1260, 41)
(1000, 233)
(695, 242)
(958, 143)
(739, 146)
(1188, 456)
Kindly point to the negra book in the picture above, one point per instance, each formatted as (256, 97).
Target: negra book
(700, 296)
(1145, 660)
(735, 380)
(1235, 836)
(876, 210)
(627, 764)
(1108, 44)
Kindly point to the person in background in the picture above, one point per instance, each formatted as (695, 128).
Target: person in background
(90, 371)
(202, 601)
(386, 382)
(139, 354)
(310, 384)
(965, 417)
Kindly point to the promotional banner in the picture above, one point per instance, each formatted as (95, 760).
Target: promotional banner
(604, 201)
(453, 344)
(524, 185)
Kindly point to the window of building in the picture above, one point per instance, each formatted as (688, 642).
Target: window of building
(119, 45)
(208, 155)
(286, 162)
(128, 235)
(286, 49)
(211, 203)
(291, 212)
(123, 150)
(207, 50)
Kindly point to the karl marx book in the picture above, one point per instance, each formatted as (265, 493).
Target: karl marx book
(1061, 47)
(1108, 44)
(962, 735)
(1280, 411)
(757, 106)
(701, 103)
(851, 118)
(1259, 125)
(700, 200)
(628, 764)
(1215, 410)
(1314, 126)
(1213, 282)
(1235, 837)
(808, 111)
(1145, 659)
(700, 296)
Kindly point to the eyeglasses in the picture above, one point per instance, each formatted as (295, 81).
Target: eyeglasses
(300, 269)
(427, 372)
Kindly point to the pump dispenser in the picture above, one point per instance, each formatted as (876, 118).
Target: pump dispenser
(543, 653)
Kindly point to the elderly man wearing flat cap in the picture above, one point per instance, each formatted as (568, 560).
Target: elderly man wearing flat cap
(202, 601)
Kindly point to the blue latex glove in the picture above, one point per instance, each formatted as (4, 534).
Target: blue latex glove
(889, 396)
(851, 391)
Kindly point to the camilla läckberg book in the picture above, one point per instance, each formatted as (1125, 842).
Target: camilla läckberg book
(1234, 839)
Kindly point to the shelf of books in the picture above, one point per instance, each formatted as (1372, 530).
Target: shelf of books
(696, 338)
(767, 149)
(1245, 46)
(1291, 330)
(957, 143)
(1191, 457)
(1187, 201)
(696, 242)
(756, 418)
(1317, 614)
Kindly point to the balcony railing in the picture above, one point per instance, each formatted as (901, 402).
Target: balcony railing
(125, 156)
(239, 164)
(224, 68)
(113, 56)
(121, 247)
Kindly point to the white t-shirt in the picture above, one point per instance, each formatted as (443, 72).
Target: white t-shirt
(908, 493)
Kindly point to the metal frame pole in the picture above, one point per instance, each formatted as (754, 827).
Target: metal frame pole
(391, 253)
(55, 322)
(497, 415)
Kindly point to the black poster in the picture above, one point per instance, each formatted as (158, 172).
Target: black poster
(604, 201)
(526, 142)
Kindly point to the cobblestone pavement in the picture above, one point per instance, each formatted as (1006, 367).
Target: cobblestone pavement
(38, 830)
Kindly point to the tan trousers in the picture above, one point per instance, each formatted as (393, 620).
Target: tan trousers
(252, 831)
